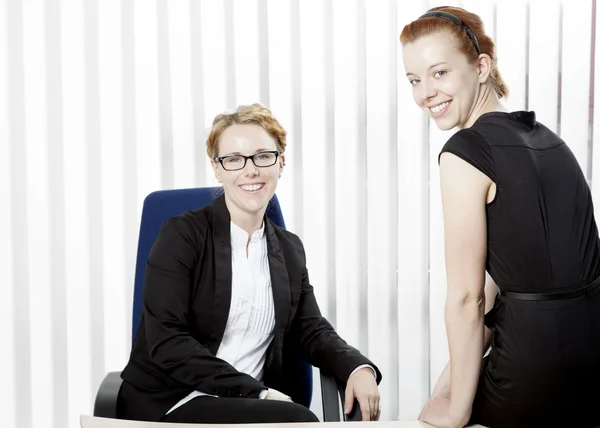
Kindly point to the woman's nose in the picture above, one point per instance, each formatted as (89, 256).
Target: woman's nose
(250, 169)
(429, 91)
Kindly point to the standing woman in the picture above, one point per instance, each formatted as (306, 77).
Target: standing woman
(515, 203)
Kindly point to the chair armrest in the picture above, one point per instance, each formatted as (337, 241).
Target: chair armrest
(105, 405)
(331, 389)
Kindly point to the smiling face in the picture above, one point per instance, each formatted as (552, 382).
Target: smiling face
(445, 85)
(248, 190)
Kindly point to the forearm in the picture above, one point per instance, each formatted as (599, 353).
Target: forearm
(487, 340)
(184, 360)
(491, 291)
(188, 363)
(442, 386)
(464, 323)
(319, 342)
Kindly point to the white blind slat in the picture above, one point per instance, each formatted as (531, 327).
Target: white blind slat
(180, 52)
(575, 93)
(544, 49)
(381, 116)
(413, 232)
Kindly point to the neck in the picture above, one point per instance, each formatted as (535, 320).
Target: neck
(486, 102)
(250, 222)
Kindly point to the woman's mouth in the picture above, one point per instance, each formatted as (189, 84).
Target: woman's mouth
(440, 109)
(251, 188)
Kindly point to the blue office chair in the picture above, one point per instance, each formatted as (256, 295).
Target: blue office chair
(158, 207)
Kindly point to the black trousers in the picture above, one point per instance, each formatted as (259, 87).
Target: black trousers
(214, 410)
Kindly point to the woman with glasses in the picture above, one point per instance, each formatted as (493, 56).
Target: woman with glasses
(225, 292)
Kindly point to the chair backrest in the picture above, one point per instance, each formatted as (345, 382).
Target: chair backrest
(164, 204)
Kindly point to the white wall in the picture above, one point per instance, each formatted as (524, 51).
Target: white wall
(104, 101)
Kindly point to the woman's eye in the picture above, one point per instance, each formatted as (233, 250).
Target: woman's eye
(413, 81)
(439, 73)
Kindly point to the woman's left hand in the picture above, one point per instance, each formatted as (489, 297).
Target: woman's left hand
(437, 413)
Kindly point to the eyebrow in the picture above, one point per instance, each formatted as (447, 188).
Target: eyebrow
(257, 151)
(430, 67)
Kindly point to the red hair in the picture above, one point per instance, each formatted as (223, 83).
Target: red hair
(430, 25)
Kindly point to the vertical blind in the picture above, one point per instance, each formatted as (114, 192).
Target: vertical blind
(105, 101)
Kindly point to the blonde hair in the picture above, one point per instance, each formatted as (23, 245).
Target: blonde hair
(254, 114)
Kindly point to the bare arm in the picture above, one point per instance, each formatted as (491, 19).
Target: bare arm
(464, 192)
(491, 290)
(442, 386)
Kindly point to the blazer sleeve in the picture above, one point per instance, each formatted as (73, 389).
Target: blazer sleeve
(167, 288)
(317, 339)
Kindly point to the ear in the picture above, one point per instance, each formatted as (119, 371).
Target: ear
(216, 169)
(281, 162)
(484, 67)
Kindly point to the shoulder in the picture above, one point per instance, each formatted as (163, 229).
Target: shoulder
(290, 244)
(191, 226)
(287, 239)
(471, 146)
(468, 140)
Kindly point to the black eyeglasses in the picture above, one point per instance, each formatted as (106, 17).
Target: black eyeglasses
(237, 162)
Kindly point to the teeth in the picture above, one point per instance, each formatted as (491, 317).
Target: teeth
(252, 187)
(440, 107)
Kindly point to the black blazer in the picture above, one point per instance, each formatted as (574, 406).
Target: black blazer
(187, 293)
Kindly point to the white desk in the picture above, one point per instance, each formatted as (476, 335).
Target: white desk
(93, 422)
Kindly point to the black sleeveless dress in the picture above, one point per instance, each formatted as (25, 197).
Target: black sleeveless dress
(544, 365)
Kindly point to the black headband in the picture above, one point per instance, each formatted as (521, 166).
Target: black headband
(457, 21)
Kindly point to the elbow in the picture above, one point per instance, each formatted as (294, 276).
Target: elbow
(159, 357)
(468, 300)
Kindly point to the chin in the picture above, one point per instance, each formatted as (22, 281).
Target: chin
(255, 203)
(445, 124)
(253, 209)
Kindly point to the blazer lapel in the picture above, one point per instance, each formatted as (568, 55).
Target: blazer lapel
(222, 262)
(280, 281)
